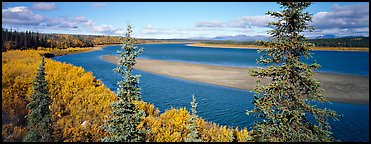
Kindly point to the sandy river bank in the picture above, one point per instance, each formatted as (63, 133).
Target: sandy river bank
(337, 87)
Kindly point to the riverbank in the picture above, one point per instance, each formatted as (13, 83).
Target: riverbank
(337, 87)
(98, 47)
(51, 52)
(262, 47)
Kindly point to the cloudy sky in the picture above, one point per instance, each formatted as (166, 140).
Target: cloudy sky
(177, 20)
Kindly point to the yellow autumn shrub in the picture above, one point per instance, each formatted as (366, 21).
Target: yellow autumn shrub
(149, 109)
(58, 52)
(77, 96)
(18, 71)
(242, 135)
(81, 103)
(170, 126)
(11, 132)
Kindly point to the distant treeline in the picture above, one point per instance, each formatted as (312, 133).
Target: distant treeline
(342, 42)
(231, 42)
(330, 42)
(16, 40)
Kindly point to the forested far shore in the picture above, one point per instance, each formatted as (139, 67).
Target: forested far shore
(325, 42)
(19, 40)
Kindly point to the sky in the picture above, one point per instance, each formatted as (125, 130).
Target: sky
(166, 20)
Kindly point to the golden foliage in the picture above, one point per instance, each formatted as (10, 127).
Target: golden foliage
(77, 98)
(18, 71)
(63, 41)
(11, 133)
(81, 104)
(170, 126)
(101, 40)
(218, 134)
(242, 135)
(149, 109)
(58, 52)
(77, 95)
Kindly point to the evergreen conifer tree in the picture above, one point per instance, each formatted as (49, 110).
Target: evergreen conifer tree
(122, 125)
(39, 121)
(285, 105)
(193, 136)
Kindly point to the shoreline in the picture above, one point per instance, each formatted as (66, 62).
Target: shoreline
(72, 50)
(256, 47)
(337, 87)
(98, 47)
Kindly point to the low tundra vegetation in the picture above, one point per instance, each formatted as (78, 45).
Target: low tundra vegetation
(80, 104)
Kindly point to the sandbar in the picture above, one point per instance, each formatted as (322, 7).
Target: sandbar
(336, 87)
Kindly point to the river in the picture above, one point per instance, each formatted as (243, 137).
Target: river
(222, 105)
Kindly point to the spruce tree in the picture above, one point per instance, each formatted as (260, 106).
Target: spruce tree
(39, 121)
(122, 125)
(193, 136)
(285, 105)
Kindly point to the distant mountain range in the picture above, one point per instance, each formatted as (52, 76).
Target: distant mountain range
(324, 36)
(242, 38)
(260, 37)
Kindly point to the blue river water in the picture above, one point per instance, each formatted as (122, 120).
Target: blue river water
(222, 105)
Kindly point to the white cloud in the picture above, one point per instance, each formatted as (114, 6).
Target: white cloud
(89, 23)
(249, 21)
(119, 32)
(246, 25)
(80, 19)
(106, 29)
(342, 20)
(44, 6)
(17, 9)
(209, 23)
(64, 23)
(21, 15)
(102, 28)
(150, 30)
(339, 32)
(98, 5)
(243, 22)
